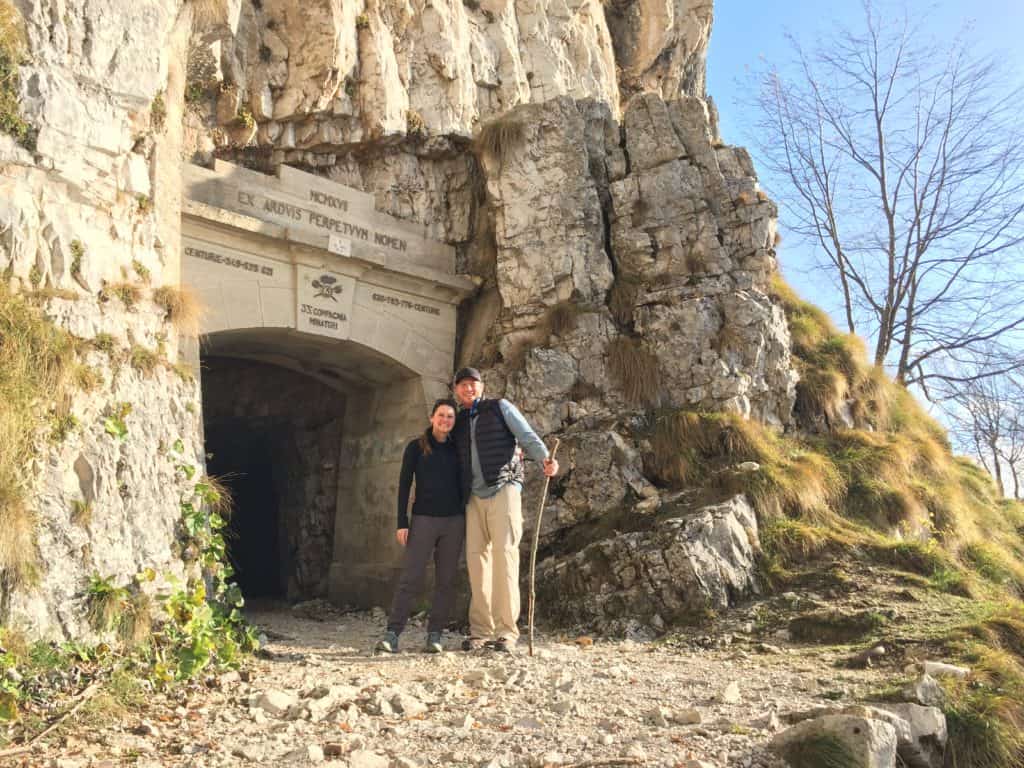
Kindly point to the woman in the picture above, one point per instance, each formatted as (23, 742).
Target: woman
(438, 527)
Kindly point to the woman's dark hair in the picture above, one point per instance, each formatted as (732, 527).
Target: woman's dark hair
(425, 437)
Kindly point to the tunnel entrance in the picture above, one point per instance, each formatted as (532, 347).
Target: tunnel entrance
(274, 436)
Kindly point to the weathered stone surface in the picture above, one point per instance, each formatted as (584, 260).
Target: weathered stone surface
(680, 567)
(926, 691)
(927, 734)
(871, 743)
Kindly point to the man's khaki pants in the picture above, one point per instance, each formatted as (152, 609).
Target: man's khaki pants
(494, 528)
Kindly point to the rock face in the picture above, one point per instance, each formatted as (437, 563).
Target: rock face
(87, 210)
(565, 151)
(678, 569)
(317, 77)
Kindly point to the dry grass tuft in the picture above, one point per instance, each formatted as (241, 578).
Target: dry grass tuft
(129, 294)
(560, 319)
(143, 360)
(635, 369)
(36, 360)
(500, 137)
(622, 300)
(584, 390)
(182, 307)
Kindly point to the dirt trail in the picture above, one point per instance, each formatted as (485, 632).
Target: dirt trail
(317, 693)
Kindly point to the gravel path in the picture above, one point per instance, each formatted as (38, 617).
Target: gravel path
(318, 694)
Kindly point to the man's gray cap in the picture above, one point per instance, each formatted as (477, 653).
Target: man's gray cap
(468, 373)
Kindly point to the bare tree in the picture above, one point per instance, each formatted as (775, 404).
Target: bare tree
(903, 164)
(987, 418)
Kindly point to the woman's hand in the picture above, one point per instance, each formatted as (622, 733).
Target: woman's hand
(402, 535)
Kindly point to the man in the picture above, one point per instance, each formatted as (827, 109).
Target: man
(488, 437)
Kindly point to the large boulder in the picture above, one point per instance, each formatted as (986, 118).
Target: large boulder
(676, 570)
(848, 740)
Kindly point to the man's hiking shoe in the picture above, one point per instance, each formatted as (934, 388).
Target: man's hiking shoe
(501, 645)
(389, 644)
(434, 643)
(472, 644)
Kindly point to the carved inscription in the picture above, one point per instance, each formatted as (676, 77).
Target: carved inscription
(297, 213)
(406, 304)
(328, 200)
(323, 318)
(229, 261)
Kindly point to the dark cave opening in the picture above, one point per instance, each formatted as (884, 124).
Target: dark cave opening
(242, 458)
(273, 437)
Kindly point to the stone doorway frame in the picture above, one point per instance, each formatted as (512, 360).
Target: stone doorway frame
(375, 321)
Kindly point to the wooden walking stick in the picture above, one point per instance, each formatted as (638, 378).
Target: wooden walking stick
(533, 549)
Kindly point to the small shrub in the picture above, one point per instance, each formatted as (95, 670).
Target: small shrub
(115, 420)
(362, 21)
(635, 370)
(12, 54)
(77, 252)
(143, 360)
(415, 126)
(245, 117)
(350, 87)
(500, 137)
(141, 270)
(81, 513)
(195, 92)
(63, 425)
(87, 378)
(104, 342)
(106, 603)
(158, 112)
(35, 276)
(181, 306)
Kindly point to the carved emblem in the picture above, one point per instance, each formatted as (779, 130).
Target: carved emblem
(326, 288)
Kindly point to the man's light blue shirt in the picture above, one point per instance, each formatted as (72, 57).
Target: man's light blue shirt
(532, 445)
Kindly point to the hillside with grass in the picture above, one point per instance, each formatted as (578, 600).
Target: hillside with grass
(868, 491)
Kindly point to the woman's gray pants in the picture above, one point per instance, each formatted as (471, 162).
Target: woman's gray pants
(442, 537)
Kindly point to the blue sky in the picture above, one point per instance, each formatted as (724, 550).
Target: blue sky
(749, 33)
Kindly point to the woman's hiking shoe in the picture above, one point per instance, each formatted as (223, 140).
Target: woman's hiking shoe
(389, 644)
(501, 645)
(434, 643)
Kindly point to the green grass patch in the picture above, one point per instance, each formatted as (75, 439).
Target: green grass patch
(13, 49)
(820, 751)
(832, 627)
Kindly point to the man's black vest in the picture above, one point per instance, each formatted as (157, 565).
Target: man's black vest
(496, 447)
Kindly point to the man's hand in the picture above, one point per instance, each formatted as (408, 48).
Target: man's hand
(550, 467)
(402, 534)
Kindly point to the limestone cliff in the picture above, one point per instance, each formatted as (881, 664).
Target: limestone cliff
(565, 150)
(89, 225)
